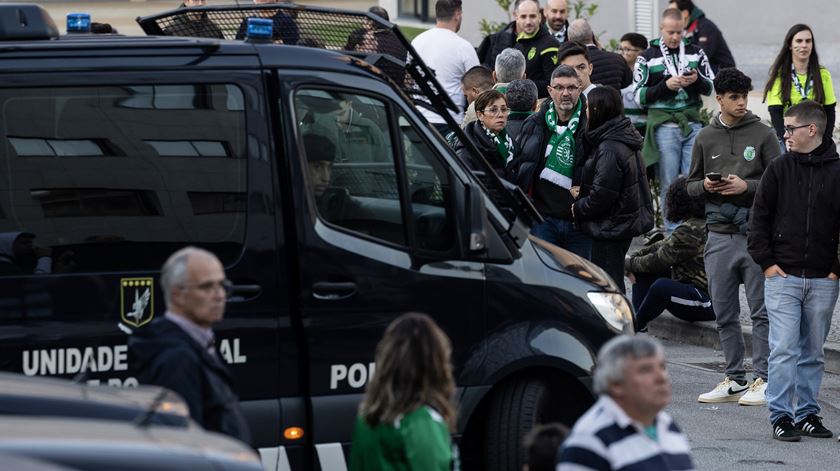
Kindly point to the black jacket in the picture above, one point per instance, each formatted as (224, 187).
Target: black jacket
(609, 69)
(795, 219)
(515, 122)
(707, 36)
(163, 354)
(475, 133)
(549, 199)
(540, 53)
(615, 201)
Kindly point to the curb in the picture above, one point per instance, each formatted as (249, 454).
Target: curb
(704, 334)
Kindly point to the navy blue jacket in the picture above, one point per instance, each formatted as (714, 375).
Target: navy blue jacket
(163, 354)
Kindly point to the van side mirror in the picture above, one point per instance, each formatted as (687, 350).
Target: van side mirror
(474, 229)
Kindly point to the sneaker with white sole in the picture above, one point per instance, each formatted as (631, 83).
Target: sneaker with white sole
(755, 395)
(727, 391)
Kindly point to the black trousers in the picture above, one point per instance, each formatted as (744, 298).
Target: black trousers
(609, 255)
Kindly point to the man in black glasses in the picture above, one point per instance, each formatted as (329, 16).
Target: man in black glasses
(551, 160)
(178, 351)
(793, 236)
(728, 159)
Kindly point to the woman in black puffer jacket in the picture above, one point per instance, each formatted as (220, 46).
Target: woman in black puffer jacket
(614, 203)
(488, 131)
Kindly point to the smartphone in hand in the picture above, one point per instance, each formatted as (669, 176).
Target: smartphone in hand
(714, 176)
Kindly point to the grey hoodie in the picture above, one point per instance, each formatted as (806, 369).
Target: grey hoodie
(744, 149)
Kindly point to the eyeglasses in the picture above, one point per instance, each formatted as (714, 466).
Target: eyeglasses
(209, 286)
(496, 111)
(790, 129)
(623, 50)
(561, 89)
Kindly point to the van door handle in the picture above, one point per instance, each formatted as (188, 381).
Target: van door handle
(333, 291)
(239, 293)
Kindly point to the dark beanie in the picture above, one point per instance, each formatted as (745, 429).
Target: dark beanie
(318, 148)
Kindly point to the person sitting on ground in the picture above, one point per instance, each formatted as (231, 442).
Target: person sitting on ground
(670, 274)
(541, 445)
(522, 100)
(488, 132)
(627, 428)
(476, 80)
(407, 414)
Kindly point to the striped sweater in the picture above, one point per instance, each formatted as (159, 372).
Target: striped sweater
(651, 72)
(605, 438)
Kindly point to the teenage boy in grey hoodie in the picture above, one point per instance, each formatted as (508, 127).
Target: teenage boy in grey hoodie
(728, 159)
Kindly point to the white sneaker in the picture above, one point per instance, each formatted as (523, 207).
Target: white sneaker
(755, 395)
(726, 391)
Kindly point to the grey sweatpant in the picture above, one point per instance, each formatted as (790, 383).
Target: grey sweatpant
(727, 266)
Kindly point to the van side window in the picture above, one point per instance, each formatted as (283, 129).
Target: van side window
(115, 178)
(429, 189)
(350, 160)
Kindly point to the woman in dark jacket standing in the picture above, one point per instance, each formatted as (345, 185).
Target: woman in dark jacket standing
(614, 204)
(488, 131)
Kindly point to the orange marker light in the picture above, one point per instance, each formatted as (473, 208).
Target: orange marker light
(293, 433)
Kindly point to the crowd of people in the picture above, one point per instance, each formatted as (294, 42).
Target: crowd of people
(743, 203)
(584, 132)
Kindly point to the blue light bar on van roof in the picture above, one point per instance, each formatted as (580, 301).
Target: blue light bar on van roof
(259, 29)
(78, 23)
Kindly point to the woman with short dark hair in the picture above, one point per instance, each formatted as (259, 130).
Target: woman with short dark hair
(614, 204)
(407, 414)
(488, 132)
(670, 274)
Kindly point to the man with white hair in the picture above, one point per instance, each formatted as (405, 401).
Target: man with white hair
(178, 350)
(608, 68)
(627, 427)
(510, 66)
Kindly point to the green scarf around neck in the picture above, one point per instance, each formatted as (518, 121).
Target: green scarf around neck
(503, 142)
(560, 152)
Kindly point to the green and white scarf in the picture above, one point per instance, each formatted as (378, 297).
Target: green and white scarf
(503, 142)
(560, 152)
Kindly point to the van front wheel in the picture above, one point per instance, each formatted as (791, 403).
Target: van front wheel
(514, 410)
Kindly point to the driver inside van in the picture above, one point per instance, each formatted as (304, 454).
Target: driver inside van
(333, 203)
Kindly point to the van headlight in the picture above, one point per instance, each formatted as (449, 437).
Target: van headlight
(613, 307)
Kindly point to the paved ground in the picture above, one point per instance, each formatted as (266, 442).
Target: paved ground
(732, 437)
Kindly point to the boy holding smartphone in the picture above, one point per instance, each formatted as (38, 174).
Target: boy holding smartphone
(734, 150)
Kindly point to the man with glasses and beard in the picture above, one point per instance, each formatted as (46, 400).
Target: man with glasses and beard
(551, 160)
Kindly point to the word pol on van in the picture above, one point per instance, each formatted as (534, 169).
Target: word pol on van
(356, 376)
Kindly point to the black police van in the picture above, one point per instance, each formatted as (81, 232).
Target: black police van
(116, 151)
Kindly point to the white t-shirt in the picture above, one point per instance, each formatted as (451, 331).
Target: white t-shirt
(449, 56)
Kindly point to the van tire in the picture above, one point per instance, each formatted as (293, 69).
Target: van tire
(514, 410)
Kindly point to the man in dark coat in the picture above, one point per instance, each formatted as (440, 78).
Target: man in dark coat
(529, 35)
(793, 236)
(178, 350)
(551, 159)
(522, 100)
(608, 68)
(703, 33)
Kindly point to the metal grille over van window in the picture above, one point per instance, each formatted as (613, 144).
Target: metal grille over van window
(180, 176)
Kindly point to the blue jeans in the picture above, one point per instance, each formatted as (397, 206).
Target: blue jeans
(800, 312)
(564, 234)
(674, 159)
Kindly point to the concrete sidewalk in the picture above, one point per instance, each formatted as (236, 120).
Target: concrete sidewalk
(705, 334)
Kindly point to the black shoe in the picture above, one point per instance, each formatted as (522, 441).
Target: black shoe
(784, 430)
(812, 426)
